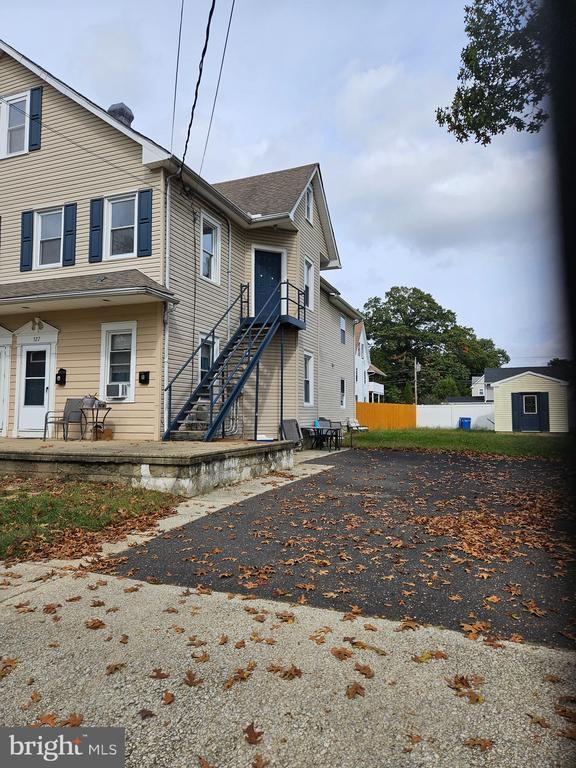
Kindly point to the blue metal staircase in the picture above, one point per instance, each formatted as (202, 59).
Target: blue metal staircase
(203, 414)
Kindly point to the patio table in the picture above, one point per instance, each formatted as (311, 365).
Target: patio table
(95, 416)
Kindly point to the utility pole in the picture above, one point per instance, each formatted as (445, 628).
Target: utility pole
(417, 368)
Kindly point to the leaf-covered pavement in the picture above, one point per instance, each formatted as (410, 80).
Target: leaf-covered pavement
(476, 544)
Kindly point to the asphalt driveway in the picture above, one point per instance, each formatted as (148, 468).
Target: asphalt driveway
(477, 544)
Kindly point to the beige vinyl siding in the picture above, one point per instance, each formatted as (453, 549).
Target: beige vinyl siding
(78, 350)
(81, 158)
(557, 401)
(336, 362)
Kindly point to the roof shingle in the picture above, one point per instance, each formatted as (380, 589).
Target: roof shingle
(268, 193)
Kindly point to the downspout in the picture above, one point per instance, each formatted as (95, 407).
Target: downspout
(166, 317)
(229, 275)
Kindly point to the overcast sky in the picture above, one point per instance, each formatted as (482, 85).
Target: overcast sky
(354, 86)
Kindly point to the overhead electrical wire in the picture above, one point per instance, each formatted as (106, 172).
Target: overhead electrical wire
(197, 88)
(217, 85)
(176, 77)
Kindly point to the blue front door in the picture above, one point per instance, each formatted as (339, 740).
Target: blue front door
(267, 278)
(530, 412)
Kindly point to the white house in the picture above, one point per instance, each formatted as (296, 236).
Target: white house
(361, 363)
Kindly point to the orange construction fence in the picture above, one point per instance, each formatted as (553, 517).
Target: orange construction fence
(386, 415)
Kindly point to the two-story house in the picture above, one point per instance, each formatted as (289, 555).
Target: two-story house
(193, 309)
(368, 378)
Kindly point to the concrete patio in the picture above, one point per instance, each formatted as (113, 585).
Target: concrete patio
(187, 468)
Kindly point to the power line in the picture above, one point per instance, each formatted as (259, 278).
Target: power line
(197, 88)
(217, 86)
(176, 77)
(77, 144)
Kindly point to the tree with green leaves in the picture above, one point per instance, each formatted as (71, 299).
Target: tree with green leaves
(409, 323)
(503, 77)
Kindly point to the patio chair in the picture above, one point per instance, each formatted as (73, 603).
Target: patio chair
(326, 434)
(290, 430)
(355, 426)
(72, 414)
(336, 435)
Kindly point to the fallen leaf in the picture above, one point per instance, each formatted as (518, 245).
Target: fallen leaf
(95, 624)
(259, 761)
(145, 713)
(116, 667)
(167, 697)
(538, 720)
(482, 744)
(407, 624)
(251, 735)
(158, 674)
(201, 658)
(364, 669)
(48, 719)
(353, 690)
(286, 673)
(341, 653)
(73, 720)
(191, 679)
(427, 656)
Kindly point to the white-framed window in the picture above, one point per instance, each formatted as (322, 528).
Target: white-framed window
(14, 124)
(118, 361)
(342, 329)
(342, 393)
(530, 404)
(120, 227)
(481, 391)
(308, 284)
(209, 351)
(356, 373)
(310, 204)
(308, 379)
(48, 238)
(210, 253)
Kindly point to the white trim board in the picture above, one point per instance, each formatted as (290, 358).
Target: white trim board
(527, 373)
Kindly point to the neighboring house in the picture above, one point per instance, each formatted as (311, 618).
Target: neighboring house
(528, 400)
(477, 388)
(375, 384)
(361, 363)
(193, 309)
(368, 388)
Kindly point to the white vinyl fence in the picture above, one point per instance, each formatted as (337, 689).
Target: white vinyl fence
(447, 415)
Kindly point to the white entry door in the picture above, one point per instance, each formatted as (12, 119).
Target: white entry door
(35, 381)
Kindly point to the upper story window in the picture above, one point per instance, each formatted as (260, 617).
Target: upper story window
(120, 227)
(14, 125)
(308, 284)
(210, 259)
(342, 329)
(49, 237)
(310, 204)
(362, 350)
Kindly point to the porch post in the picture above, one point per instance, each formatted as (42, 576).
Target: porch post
(281, 377)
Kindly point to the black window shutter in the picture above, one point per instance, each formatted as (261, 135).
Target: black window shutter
(145, 222)
(69, 253)
(26, 241)
(96, 229)
(35, 129)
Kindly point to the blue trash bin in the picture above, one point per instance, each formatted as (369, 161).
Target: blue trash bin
(464, 423)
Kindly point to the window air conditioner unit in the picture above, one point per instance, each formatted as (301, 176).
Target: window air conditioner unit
(117, 391)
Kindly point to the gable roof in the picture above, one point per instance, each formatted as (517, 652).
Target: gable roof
(278, 193)
(491, 375)
(268, 193)
(151, 151)
(358, 328)
(531, 372)
(335, 297)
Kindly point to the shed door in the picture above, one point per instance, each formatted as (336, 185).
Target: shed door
(530, 412)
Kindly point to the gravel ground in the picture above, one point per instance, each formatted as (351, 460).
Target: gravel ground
(408, 716)
(357, 534)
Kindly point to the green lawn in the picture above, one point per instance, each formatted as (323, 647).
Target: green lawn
(544, 445)
(41, 518)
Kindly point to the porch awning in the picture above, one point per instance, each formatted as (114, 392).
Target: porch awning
(129, 286)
